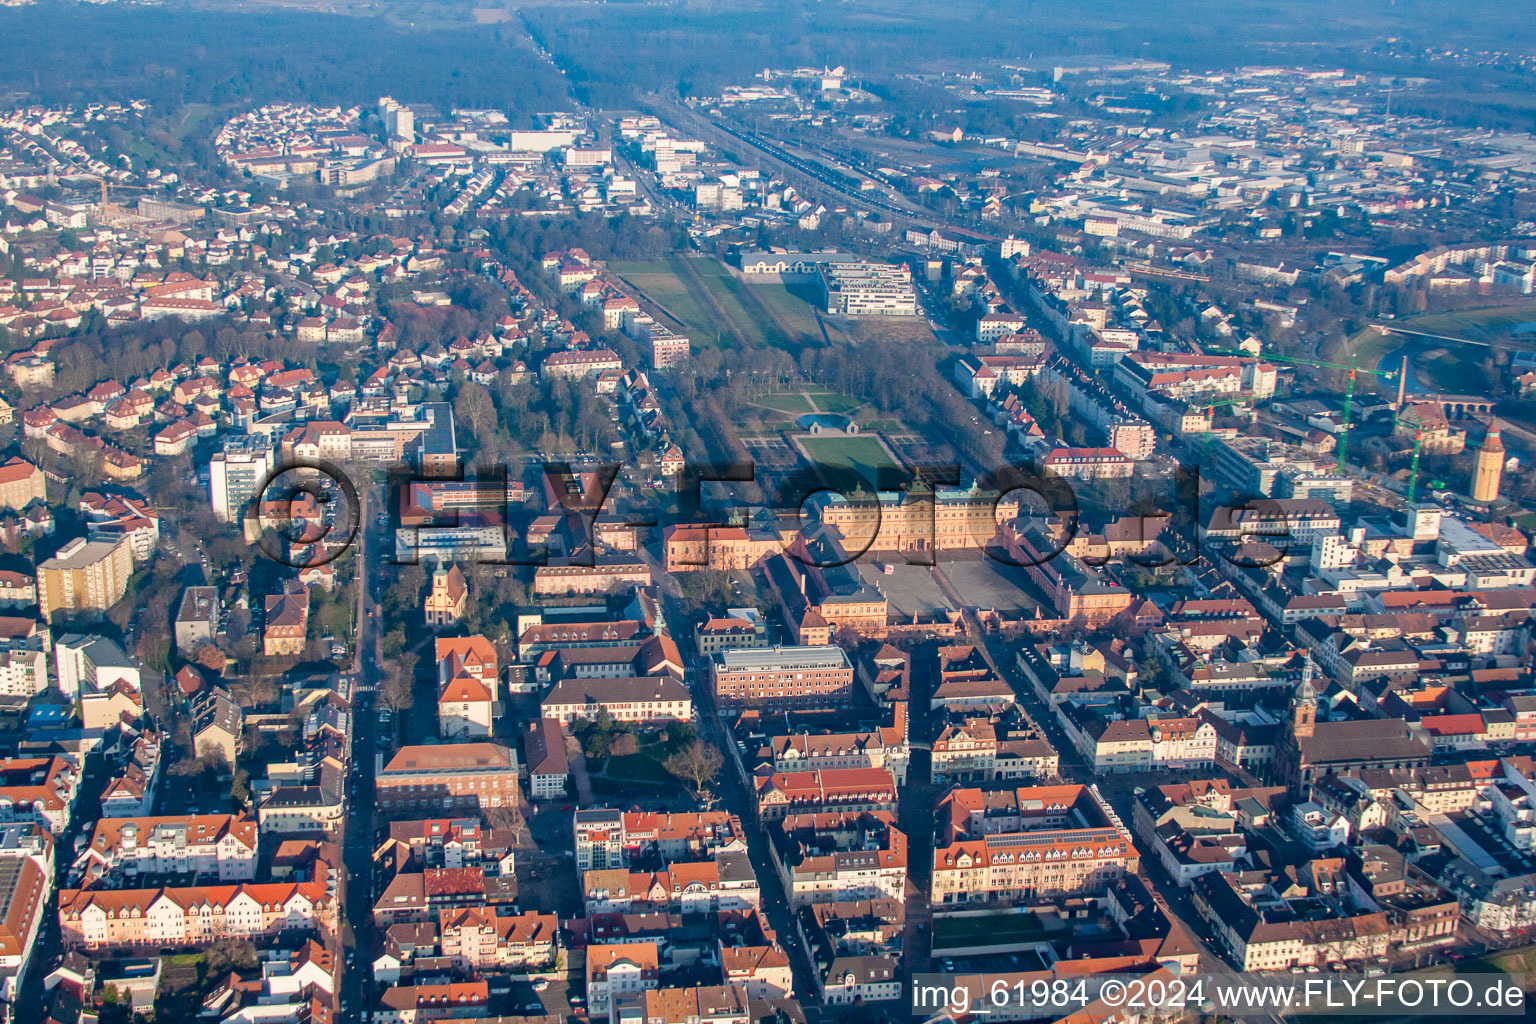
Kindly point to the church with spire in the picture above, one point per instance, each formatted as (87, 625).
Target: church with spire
(1311, 749)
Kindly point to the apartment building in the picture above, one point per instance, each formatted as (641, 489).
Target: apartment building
(579, 364)
(98, 920)
(972, 751)
(727, 883)
(493, 938)
(215, 847)
(841, 856)
(835, 789)
(619, 971)
(23, 666)
(237, 473)
(87, 663)
(197, 618)
(715, 1004)
(1040, 841)
(885, 747)
(40, 789)
(85, 578)
(1268, 931)
(779, 678)
(21, 483)
(607, 838)
(862, 288)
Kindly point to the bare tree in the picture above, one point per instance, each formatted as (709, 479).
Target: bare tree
(397, 689)
(696, 764)
(509, 819)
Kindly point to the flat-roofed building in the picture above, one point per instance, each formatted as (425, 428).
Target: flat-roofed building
(449, 776)
(86, 577)
(864, 288)
(782, 677)
(197, 619)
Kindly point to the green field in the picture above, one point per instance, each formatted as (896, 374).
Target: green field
(1486, 324)
(713, 306)
(1368, 346)
(830, 402)
(862, 453)
(955, 934)
(791, 404)
(663, 287)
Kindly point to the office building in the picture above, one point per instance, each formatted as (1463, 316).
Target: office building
(782, 677)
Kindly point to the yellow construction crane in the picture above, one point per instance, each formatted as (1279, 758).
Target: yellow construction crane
(109, 214)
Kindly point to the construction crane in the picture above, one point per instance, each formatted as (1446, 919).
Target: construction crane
(109, 213)
(1349, 390)
(1413, 470)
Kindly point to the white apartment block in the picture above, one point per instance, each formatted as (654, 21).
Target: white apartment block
(220, 847)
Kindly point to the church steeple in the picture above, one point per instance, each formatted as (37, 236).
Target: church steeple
(1304, 703)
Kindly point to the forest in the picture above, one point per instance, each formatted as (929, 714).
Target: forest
(697, 48)
(62, 53)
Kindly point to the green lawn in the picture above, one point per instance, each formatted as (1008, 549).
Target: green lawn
(836, 403)
(850, 330)
(662, 286)
(641, 767)
(710, 302)
(860, 452)
(789, 403)
(953, 934)
(1475, 324)
(1369, 347)
(192, 117)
